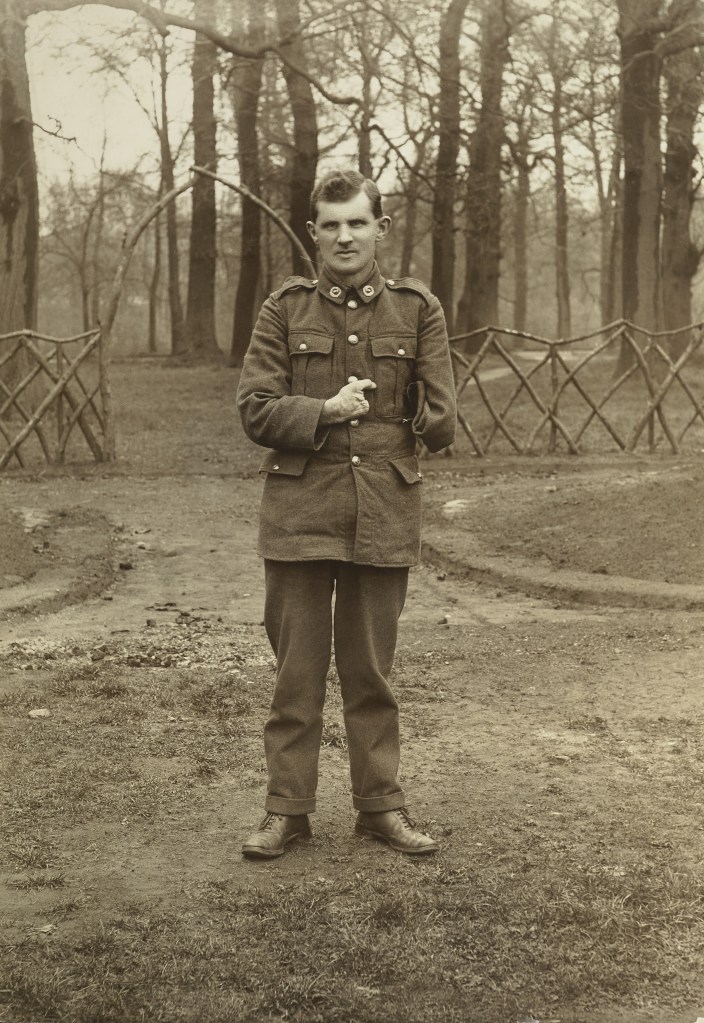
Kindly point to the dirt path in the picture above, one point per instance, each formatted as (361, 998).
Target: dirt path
(512, 702)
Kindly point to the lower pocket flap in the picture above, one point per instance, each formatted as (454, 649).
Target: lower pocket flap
(407, 467)
(285, 463)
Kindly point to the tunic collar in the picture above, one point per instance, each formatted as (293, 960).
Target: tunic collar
(337, 293)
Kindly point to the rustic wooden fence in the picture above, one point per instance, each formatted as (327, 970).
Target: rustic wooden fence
(49, 397)
(56, 393)
(518, 389)
(621, 379)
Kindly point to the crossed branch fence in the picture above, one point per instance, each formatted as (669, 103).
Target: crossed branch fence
(620, 378)
(56, 392)
(517, 391)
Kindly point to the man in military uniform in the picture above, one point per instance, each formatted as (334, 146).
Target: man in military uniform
(342, 376)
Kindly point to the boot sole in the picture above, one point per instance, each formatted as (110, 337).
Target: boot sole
(365, 833)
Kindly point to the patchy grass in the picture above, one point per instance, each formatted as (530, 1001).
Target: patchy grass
(556, 918)
(425, 943)
(112, 712)
(33, 882)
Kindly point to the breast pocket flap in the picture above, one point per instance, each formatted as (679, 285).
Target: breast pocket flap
(393, 347)
(304, 343)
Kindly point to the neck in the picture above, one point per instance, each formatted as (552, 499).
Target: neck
(353, 280)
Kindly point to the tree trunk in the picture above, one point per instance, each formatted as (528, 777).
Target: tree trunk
(520, 244)
(409, 227)
(96, 247)
(480, 299)
(640, 106)
(179, 346)
(85, 301)
(365, 136)
(246, 82)
(200, 308)
(680, 256)
(19, 203)
(612, 244)
(443, 273)
(304, 164)
(155, 280)
(562, 272)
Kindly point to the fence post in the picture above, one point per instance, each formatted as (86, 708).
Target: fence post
(554, 386)
(59, 405)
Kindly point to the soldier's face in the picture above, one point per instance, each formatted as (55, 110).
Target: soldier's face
(346, 234)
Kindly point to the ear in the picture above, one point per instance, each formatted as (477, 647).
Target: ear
(311, 231)
(383, 228)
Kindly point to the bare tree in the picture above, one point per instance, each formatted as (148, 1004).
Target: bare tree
(443, 273)
(200, 308)
(304, 163)
(19, 201)
(639, 27)
(683, 73)
(75, 233)
(479, 303)
(524, 160)
(179, 345)
(559, 62)
(246, 87)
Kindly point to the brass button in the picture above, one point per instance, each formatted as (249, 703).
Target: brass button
(367, 289)
(419, 475)
(352, 304)
(335, 292)
(302, 347)
(354, 422)
(402, 351)
(274, 467)
(353, 339)
(391, 283)
(356, 460)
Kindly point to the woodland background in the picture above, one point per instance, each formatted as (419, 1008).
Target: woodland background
(540, 158)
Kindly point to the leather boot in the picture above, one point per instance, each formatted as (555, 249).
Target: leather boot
(396, 828)
(274, 832)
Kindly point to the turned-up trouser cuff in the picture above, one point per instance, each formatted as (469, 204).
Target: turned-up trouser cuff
(299, 622)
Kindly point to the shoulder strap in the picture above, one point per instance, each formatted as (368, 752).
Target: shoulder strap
(293, 283)
(410, 284)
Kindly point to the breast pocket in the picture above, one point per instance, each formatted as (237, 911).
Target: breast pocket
(393, 362)
(311, 363)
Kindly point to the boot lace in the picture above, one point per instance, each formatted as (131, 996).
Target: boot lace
(406, 819)
(270, 820)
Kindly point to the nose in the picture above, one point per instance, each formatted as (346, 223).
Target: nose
(344, 235)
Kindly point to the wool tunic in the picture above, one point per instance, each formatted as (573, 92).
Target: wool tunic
(348, 491)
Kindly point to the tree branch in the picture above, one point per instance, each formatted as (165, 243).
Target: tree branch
(272, 214)
(162, 21)
(56, 133)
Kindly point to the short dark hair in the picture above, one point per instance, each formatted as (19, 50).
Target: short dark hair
(341, 185)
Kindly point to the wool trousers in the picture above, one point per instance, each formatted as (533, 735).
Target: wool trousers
(301, 625)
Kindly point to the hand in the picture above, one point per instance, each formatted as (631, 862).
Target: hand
(349, 403)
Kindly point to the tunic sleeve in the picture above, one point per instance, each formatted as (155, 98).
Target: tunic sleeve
(436, 417)
(271, 415)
